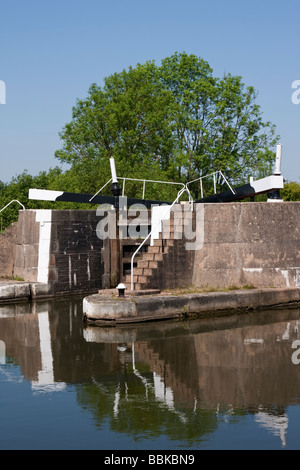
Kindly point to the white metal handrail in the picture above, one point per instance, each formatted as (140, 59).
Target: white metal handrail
(182, 190)
(214, 174)
(144, 181)
(14, 200)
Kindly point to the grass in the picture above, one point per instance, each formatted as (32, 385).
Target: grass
(12, 278)
(195, 290)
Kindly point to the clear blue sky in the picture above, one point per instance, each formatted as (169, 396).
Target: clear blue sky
(51, 52)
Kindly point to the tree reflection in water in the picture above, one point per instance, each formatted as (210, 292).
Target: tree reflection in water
(176, 379)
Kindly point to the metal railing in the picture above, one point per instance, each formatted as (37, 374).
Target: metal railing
(14, 200)
(144, 181)
(214, 175)
(1, 210)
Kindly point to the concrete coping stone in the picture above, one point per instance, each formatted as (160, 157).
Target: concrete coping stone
(104, 309)
(12, 291)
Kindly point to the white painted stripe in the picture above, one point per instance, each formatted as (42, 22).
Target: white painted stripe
(46, 381)
(46, 375)
(2, 352)
(253, 270)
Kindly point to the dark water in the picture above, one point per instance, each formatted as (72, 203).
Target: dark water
(228, 383)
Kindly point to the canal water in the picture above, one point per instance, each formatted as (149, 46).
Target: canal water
(226, 383)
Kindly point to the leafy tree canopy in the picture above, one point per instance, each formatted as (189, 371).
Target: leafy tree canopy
(175, 121)
(291, 191)
(18, 189)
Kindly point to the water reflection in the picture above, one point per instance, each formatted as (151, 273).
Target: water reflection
(179, 379)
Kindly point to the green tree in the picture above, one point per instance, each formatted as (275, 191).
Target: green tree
(18, 188)
(291, 191)
(175, 121)
(217, 122)
(128, 120)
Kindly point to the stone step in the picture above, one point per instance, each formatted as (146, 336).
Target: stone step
(163, 244)
(173, 223)
(168, 236)
(128, 278)
(142, 263)
(138, 286)
(140, 275)
(156, 248)
(144, 272)
(153, 264)
(142, 279)
(148, 256)
(138, 271)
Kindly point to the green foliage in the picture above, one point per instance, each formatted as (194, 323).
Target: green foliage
(291, 191)
(18, 189)
(175, 120)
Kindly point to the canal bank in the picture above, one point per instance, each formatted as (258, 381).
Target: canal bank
(18, 291)
(106, 308)
(15, 291)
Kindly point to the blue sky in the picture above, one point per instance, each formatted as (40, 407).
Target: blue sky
(51, 52)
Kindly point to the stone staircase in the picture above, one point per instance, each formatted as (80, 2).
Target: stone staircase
(149, 272)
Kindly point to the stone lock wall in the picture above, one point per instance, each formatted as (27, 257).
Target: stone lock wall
(233, 245)
(26, 260)
(236, 244)
(249, 244)
(8, 250)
